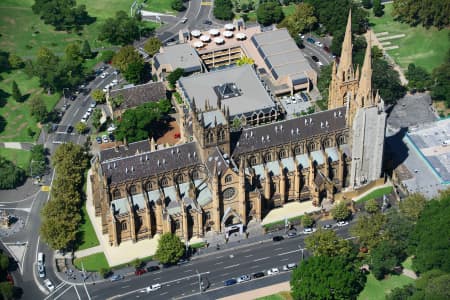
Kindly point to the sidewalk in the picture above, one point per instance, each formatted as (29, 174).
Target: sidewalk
(262, 292)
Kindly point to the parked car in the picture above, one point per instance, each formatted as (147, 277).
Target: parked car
(277, 238)
(258, 275)
(289, 267)
(93, 104)
(70, 129)
(182, 261)
(292, 234)
(111, 137)
(319, 44)
(183, 20)
(327, 226)
(153, 268)
(49, 285)
(310, 40)
(308, 230)
(99, 140)
(314, 58)
(153, 287)
(229, 282)
(273, 271)
(41, 270)
(105, 138)
(139, 272)
(243, 278)
(117, 277)
(207, 22)
(319, 63)
(341, 223)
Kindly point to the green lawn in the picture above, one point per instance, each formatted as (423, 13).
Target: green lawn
(424, 47)
(289, 9)
(407, 264)
(92, 262)
(162, 6)
(278, 296)
(376, 290)
(19, 157)
(376, 194)
(87, 236)
(17, 115)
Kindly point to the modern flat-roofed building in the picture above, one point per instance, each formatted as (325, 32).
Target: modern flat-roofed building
(176, 56)
(237, 90)
(285, 63)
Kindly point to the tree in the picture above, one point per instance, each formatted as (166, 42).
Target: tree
(38, 109)
(45, 67)
(11, 175)
(139, 123)
(303, 19)
(245, 60)
(307, 221)
(125, 56)
(340, 211)
(412, 206)
(440, 89)
(15, 61)
(401, 293)
(81, 127)
(223, 9)
(170, 249)
(372, 206)
(418, 78)
(378, 8)
(16, 94)
(368, 229)
(327, 243)
(62, 14)
(425, 12)
(37, 160)
(366, 4)
(107, 56)
(86, 50)
(98, 95)
(121, 30)
(384, 257)
(135, 72)
(152, 46)
(268, 13)
(236, 125)
(427, 242)
(116, 101)
(7, 290)
(173, 77)
(177, 5)
(323, 277)
(387, 81)
(96, 116)
(432, 285)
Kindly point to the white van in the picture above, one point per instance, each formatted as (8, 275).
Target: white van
(40, 258)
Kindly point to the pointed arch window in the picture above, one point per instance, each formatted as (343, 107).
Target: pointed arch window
(268, 157)
(209, 137)
(123, 225)
(164, 182)
(133, 190)
(312, 147)
(149, 186)
(253, 160)
(228, 178)
(116, 194)
(282, 154)
(298, 150)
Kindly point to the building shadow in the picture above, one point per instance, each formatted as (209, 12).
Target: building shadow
(396, 150)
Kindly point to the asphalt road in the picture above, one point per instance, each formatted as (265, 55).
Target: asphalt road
(183, 281)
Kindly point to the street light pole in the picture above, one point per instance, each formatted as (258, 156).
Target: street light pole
(199, 281)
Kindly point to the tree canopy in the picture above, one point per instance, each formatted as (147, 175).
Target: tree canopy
(223, 9)
(11, 175)
(418, 78)
(268, 13)
(174, 76)
(62, 14)
(38, 109)
(170, 249)
(425, 12)
(327, 243)
(303, 19)
(120, 30)
(368, 229)
(152, 45)
(140, 123)
(412, 206)
(130, 63)
(323, 277)
(340, 211)
(177, 5)
(440, 89)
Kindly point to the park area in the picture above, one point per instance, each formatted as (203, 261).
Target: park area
(406, 44)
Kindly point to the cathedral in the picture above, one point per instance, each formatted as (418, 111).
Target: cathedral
(221, 178)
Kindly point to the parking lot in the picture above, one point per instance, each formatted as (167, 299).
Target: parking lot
(295, 105)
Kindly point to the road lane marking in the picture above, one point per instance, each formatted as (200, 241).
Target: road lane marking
(194, 283)
(232, 266)
(279, 248)
(219, 257)
(162, 294)
(61, 294)
(284, 259)
(289, 252)
(254, 267)
(156, 278)
(187, 271)
(124, 287)
(248, 250)
(250, 255)
(219, 263)
(261, 258)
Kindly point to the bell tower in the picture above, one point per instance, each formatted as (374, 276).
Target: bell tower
(344, 80)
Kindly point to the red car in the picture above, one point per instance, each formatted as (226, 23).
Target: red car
(139, 272)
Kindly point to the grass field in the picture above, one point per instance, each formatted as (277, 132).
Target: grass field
(376, 194)
(17, 115)
(162, 6)
(92, 262)
(407, 264)
(87, 236)
(19, 157)
(278, 296)
(424, 47)
(377, 289)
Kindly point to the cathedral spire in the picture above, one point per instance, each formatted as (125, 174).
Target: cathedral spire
(345, 69)
(365, 83)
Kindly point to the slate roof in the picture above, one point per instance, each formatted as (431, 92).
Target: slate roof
(283, 132)
(122, 151)
(140, 94)
(143, 164)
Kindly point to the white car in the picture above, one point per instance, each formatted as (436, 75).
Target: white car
(273, 271)
(105, 139)
(342, 223)
(319, 63)
(115, 81)
(104, 74)
(308, 230)
(153, 287)
(289, 267)
(90, 109)
(49, 285)
(41, 270)
(105, 89)
(93, 104)
(111, 128)
(319, 44)
(243, 278)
